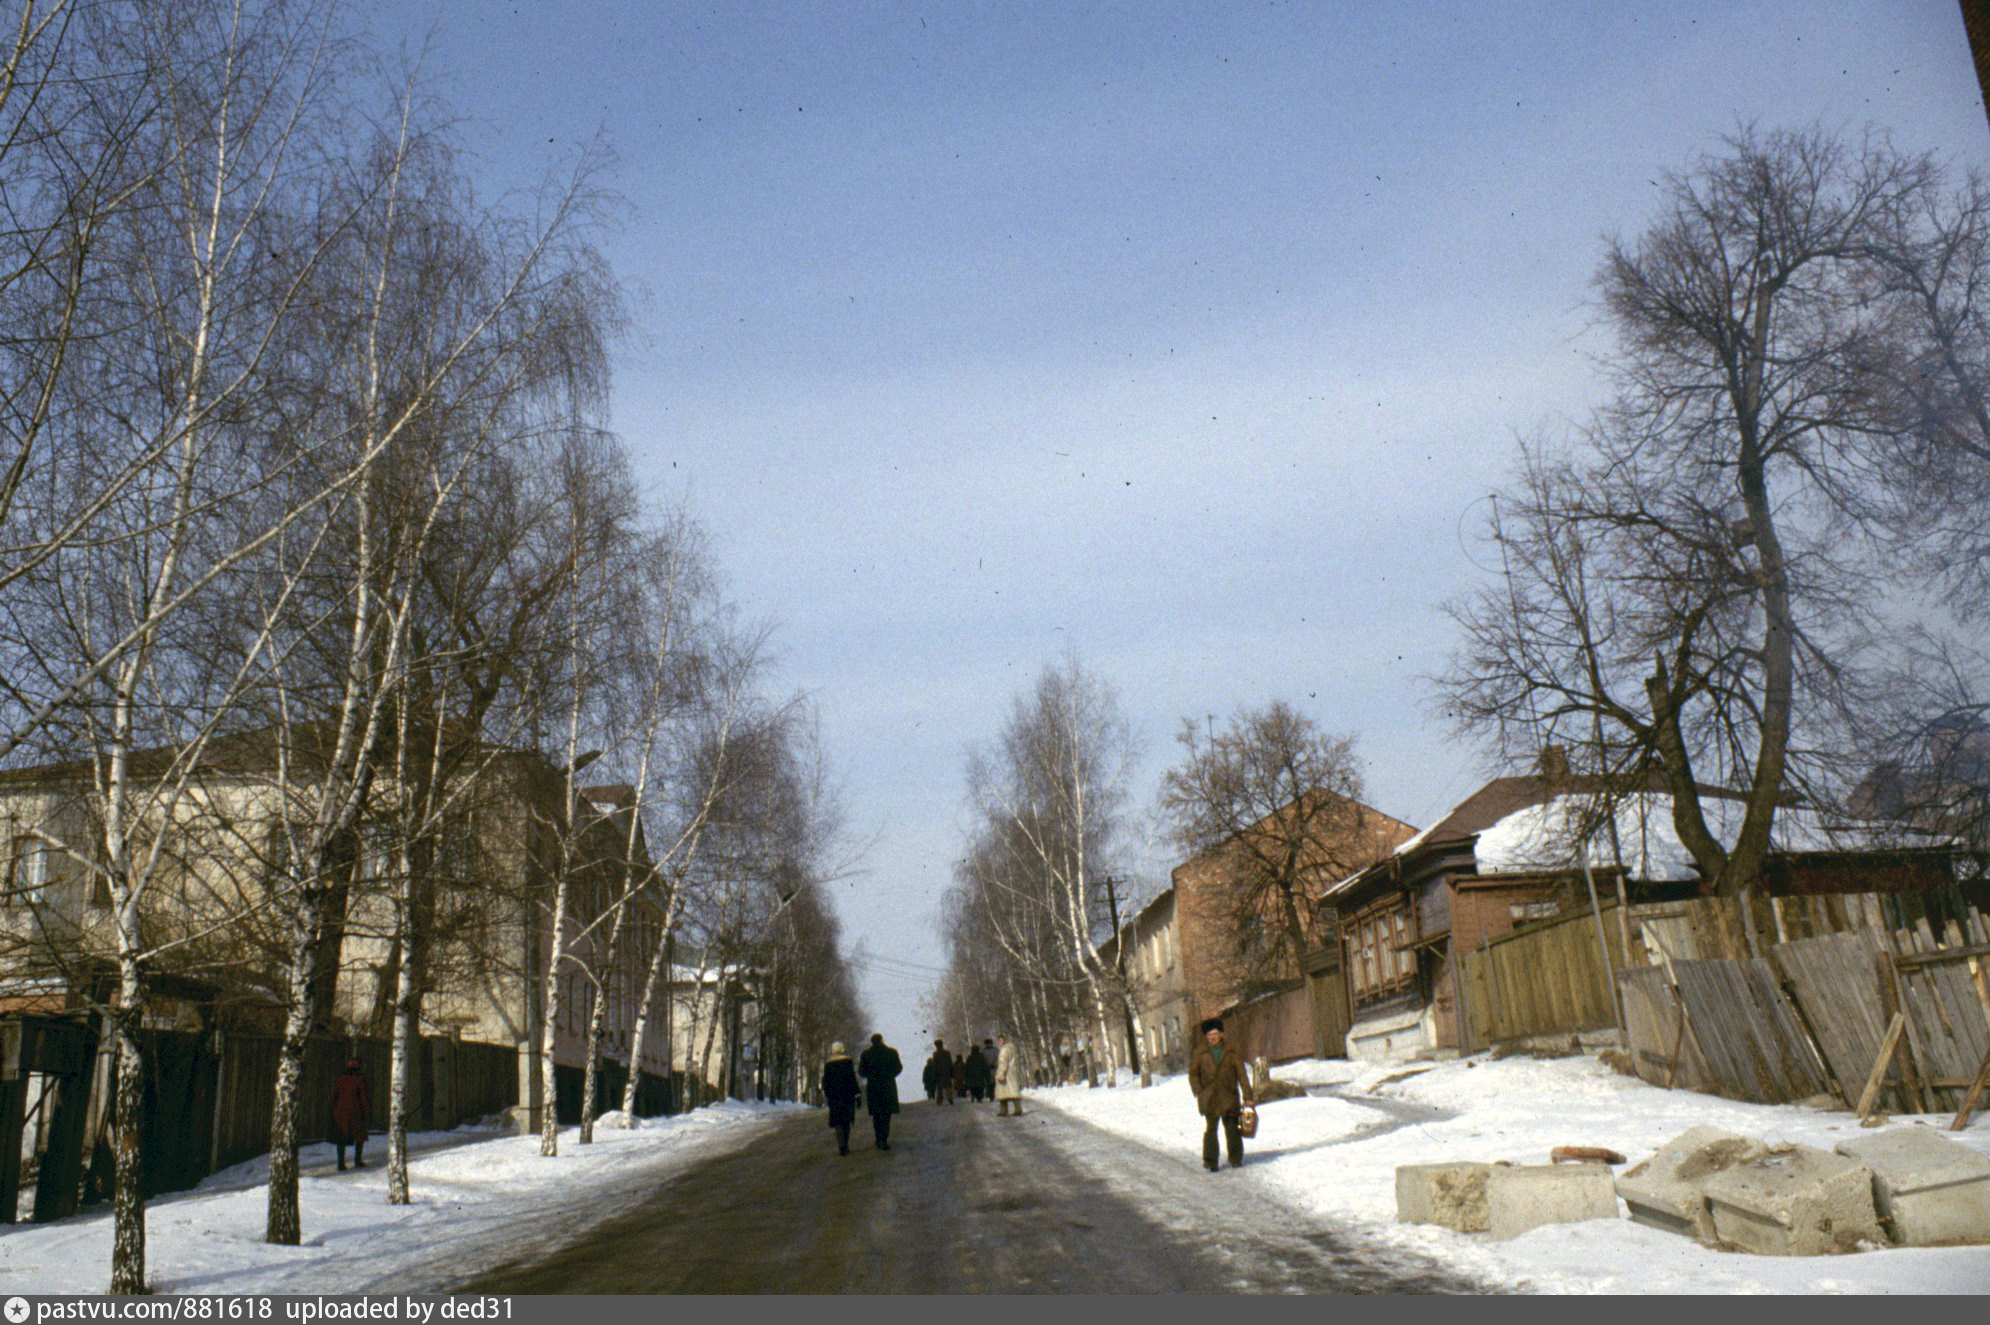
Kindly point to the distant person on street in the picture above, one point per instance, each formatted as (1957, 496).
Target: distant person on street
(989, 1055)
(929, 1076)
(943, 1073)
(840, 1091)
(1008, 1077)
(352, 1113)
(879, 1067)
(960, 1079)
(1216, 1075)
(974, 1071)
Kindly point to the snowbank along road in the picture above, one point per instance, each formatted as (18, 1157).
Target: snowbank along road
(964, 1202)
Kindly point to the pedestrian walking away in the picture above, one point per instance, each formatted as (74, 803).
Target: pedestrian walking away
(976, 1073)
(879, 1067)
(960, 1079)
(1008, 1077)
(352, 1113)
(1216, 1075)
(941, 1066)
(840, 1091)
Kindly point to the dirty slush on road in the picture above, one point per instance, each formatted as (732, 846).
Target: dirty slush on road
(964, 1202)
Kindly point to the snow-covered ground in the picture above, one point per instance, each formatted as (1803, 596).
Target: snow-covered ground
(1334, 1157)
(480, 1197)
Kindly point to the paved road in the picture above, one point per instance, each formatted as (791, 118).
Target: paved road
(964, 1202)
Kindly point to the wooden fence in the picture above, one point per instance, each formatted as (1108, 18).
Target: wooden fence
(1836, 981)
(450, 1082)
(209, 1099)
(1722, 1027)
(1733, 1027)
(1945, 997)
(1277, 1027)
(1546, 979)
(1850, 985)
(1698, 1012)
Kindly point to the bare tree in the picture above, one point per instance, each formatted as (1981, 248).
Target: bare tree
(1284, 799)
(1051, 796)
(1689, 587)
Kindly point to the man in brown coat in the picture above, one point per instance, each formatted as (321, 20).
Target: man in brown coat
(1216, 1075)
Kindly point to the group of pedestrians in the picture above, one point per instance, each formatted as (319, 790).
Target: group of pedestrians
(872, 1080)
(950, 1077)
(1215, 1074)
(878, 1070)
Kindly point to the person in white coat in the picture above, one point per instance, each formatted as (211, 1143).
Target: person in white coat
(1008, 1076)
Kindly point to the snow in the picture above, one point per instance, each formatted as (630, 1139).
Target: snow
(480, 1198)
(1331, 1159)
(1543, 837)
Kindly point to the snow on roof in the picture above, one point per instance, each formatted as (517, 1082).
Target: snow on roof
(1546, 836)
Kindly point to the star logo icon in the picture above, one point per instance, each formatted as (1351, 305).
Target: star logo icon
(17, 1310)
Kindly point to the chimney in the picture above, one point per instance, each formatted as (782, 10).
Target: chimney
(1552, 764)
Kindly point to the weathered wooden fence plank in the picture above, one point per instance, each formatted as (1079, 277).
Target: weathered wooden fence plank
(1740, 1038)
(1544, 979)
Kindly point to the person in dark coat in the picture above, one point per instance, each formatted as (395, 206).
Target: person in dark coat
(975, 1070)
(960, 1079)
(989, 1056)
(840, 1091)
(879, 1067)
(352, 1112)
(929, 1076)
(943, 1073)
(1216, 1075)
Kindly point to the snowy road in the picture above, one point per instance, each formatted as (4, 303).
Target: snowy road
(964, 1202)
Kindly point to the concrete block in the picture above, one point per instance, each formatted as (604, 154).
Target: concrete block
(1933, 1191)
(1529, 1195)
(1452, 1195)
(1795, 1201)
(1668, 1190)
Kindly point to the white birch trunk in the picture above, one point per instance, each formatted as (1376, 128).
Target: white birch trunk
(128, 1218)
(284, 1225)
(405, 1030)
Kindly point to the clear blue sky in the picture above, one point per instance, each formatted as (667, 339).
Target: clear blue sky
(1182, 336)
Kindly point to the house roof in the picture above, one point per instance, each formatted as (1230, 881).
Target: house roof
(312, 745)
(1531, 824)
(1480, 810)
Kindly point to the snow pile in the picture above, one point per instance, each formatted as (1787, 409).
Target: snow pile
(1332, 1159)
(480, 1198)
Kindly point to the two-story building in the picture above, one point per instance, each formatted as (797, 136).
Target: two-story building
(218, 937)
(1216, 942)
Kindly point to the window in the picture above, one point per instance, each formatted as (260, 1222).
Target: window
(1380, 958)
(27, 869)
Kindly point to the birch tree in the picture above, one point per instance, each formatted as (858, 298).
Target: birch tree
(1055, 784)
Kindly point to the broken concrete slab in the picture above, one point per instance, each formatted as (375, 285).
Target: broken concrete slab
(1452, 1195)
(1795, 1201)
(1526, 1196)
(1668, 1190)
(1932, 1191)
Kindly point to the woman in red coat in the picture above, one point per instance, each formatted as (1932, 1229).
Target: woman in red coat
(352, 1110)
